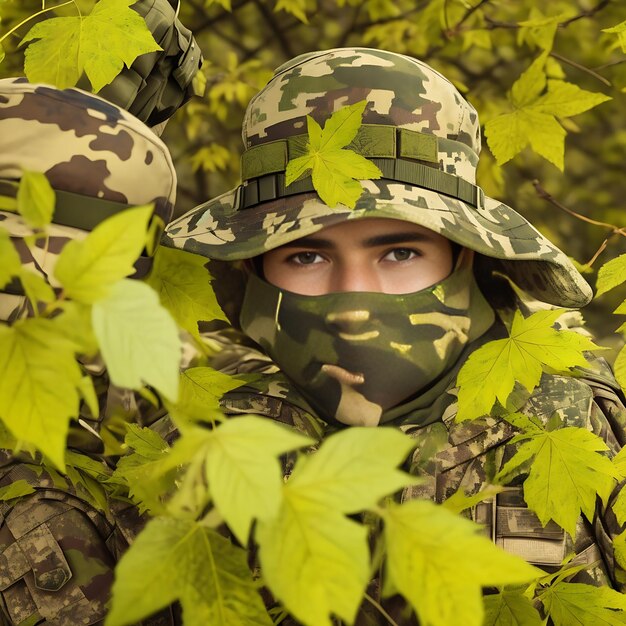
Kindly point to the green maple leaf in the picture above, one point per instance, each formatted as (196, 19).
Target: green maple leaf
(334, 170)
(491, 371)
(534, 119)
(620, 31)
(173, 559)
(39, 382)
(241, 465)
(100, 44)
(16, 489)
(88, 477)
(576, 603)
(87, 269)
(35, 199)
(10, 264)
(35, 287)
(611, 274)
(442, 579)
(138, 338)
(74, 323)
(619, 546)
(315, 560)
(141, 470)
(619, 505)
(620, 366)
(565, 476)
(353, 469)
(183, 286)
(510, 608)
(200, 391)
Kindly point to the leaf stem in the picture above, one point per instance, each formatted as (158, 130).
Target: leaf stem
(542, 193)
(582, 68)
(380, 609)
(34, 15)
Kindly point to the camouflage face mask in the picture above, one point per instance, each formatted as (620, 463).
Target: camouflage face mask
(354, 355)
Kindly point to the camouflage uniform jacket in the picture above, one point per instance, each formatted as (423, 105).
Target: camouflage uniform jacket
(60, 543)
(452, 456)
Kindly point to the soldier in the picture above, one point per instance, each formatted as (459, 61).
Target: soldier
(57, 549)
(364, 316)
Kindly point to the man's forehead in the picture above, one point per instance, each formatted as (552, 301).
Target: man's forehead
(368, 232)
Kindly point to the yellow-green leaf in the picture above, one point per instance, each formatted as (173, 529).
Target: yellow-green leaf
(200, 391)
(459, 500)
(138, 338)
(39, 381)
(510, 608)
(243, 469)
(297, 8)
(315, 561)
(534, 117)
(67, 46)
(566, 474)
(15, 489)
(10, 264)
(140, 470)
(353, 469)
(577, 603)
(35, 199)
(620, 31)
(87, 269)
(442, 579)
(335, 171)
(611, 274)
(491, 371)
(620, 368)
(173, 559)
(184, 288)
(36, 287)
(74, 323)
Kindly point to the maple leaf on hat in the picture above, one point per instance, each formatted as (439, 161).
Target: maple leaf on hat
(335, 171)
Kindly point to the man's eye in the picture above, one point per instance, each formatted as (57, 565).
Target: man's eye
(305, 258)
(400, 254)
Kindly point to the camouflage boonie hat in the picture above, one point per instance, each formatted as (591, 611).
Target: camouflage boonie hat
(99, 159)
(421, 133)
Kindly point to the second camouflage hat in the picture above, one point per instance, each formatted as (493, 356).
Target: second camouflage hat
(416, 128)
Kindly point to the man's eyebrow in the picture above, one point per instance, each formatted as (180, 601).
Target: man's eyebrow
(315, 243)
(393, 238)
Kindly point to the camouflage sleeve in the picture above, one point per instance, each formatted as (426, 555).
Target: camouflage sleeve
(56, 556)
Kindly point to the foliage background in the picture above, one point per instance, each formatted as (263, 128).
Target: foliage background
(482, 45)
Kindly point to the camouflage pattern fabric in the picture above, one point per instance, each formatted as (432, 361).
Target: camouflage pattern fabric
(157, 84)
(409, 98)
(57, 546)
(451, 456)
(356, 355)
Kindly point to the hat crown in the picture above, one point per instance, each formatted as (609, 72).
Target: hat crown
(400, 91)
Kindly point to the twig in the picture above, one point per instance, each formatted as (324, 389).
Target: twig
(542, 193)
(614, 230)
(34, 15)
(285, 44)
(380, 609)
(588, 13)
(582, 68)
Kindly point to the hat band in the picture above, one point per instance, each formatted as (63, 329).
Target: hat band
(272, 186)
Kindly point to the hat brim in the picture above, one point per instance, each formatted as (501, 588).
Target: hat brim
(218, 230)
